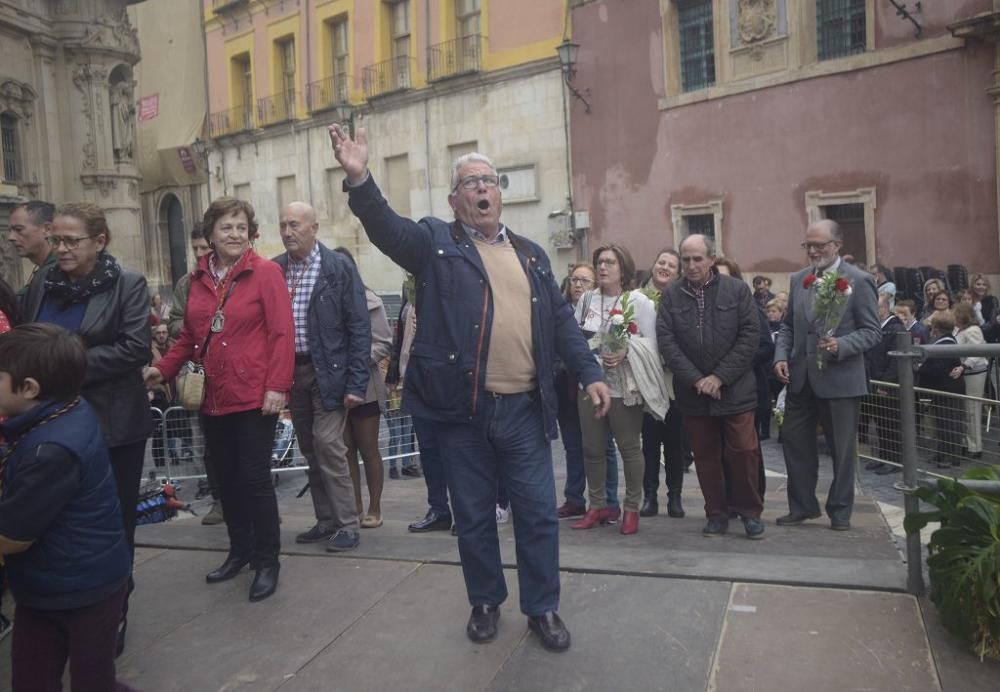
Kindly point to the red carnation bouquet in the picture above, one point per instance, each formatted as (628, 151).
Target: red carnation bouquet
(830, 294)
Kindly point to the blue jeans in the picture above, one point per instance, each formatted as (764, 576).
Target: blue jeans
(576, 479)
(508, 441)
(432, 465)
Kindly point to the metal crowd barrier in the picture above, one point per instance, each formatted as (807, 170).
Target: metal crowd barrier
(925, 431)
(176, 449)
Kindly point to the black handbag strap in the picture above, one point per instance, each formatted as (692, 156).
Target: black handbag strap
(208, 337)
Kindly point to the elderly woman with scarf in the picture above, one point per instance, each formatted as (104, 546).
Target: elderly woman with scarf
(88, 293)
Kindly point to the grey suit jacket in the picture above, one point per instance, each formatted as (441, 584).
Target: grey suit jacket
(844, 373)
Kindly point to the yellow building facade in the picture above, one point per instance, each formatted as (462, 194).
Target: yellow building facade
(428, 79)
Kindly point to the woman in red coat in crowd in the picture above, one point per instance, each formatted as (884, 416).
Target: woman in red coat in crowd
(238, 324)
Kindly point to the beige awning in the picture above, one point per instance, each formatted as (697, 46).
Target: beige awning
(170, 93)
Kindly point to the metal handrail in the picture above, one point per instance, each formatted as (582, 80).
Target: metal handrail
(231, 121)
(277, 108)
(387, 76)
(328, 92)
(456, 57)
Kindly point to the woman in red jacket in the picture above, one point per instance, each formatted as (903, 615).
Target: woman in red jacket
(238, 325)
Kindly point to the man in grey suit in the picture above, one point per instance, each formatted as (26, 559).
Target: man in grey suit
(832, 394)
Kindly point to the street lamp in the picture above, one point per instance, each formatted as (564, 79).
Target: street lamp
(567, 51)
(344, 113)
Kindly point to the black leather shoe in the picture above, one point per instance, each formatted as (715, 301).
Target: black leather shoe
(674, 507)
(551, 631)
(840, 525)
(432, 522)
(482, 625)
(795, 519)
(229, 569)
(265, 583)
(650, 507)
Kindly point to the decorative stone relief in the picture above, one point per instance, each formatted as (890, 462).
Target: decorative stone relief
(17, 98)
(133, 189)
(113, 31)
(83, 77)
(757, 19)
(122, 120)
(104, 183)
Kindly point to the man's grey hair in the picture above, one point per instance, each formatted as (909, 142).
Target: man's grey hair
(832, 226)
(709, 243)
(464, 160)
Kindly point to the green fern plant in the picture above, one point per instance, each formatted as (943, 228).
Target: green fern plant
(964, 558)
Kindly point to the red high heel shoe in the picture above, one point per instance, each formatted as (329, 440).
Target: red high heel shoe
(592, 518)
(630, 523)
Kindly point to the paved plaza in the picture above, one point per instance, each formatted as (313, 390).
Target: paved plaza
(806, 608)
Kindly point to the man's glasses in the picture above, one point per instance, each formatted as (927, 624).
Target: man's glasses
(471, 182)
(581, 280)
(816, 246)
(72, 242)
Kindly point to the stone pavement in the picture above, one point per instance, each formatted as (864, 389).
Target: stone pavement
(806, 608)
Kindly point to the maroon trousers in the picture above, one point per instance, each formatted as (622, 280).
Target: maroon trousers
(729, 441)
(44, 639)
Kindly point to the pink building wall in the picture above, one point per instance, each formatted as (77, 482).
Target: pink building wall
(920, 131)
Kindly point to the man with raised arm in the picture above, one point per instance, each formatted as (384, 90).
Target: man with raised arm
(492, 320)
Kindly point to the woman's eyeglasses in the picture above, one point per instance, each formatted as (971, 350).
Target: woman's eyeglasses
(72, 242)
(581, 280)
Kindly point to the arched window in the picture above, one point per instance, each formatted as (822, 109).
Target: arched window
(10, 148)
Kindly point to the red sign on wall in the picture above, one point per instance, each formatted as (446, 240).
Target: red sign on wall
(149, 107)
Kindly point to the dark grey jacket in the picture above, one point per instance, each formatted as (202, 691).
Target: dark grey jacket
(723, 346)
(340, 333)
(116, 331)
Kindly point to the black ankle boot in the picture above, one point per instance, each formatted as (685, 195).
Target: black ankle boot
(227, 570)
(674, 507)
(650, 507)
(265, 583)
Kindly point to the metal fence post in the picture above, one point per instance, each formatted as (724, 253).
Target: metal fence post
(908, 437)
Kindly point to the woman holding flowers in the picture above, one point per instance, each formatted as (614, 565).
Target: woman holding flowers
(612, 316)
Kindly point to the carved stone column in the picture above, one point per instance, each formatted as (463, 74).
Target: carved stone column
(100, 55)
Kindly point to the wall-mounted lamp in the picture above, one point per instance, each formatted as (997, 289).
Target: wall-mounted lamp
(200, 149)
(567, 51)
(344, 113)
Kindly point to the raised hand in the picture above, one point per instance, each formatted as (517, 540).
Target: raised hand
(351, 153)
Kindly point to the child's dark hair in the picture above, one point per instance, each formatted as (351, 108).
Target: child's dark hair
(49, 354)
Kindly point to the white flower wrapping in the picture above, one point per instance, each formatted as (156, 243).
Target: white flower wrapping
(618, 320)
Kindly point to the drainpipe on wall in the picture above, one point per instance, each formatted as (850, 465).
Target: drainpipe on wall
(427, 110)
(309, 168)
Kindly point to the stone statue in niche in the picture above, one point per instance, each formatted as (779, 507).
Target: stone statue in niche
(757, 19)
(122, 121)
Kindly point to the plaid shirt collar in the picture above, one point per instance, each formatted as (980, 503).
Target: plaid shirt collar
(301, 278)
(699, 293)
(500, 238)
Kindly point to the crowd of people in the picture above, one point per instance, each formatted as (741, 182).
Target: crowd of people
(665, 366)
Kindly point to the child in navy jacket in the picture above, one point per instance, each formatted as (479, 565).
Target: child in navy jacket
(60, 524)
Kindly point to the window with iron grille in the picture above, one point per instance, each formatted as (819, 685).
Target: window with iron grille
(700, 224)
(9, 151)
(697, 44)
(400, 37)
(840, 28)
(467, 17)
(340, 57)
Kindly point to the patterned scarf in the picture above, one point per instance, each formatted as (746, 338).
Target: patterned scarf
(67, 292)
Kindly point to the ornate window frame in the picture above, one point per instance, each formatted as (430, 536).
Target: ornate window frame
(679, 212)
